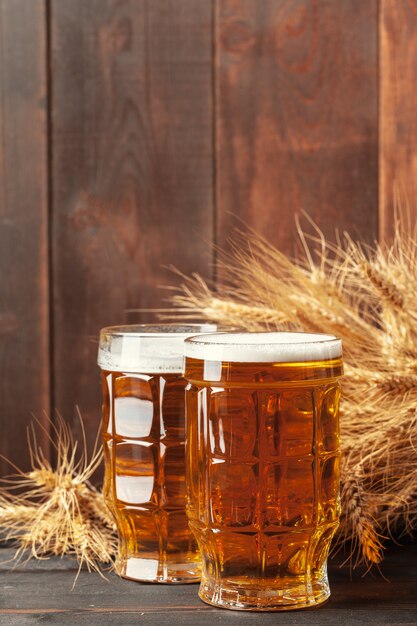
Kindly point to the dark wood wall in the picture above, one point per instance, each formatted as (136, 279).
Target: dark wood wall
(134, 134)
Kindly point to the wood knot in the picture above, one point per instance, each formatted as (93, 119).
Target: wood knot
(236, 37)
(8, 323)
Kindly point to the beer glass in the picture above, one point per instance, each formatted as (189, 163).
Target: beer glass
(263, 465)
(143, 434)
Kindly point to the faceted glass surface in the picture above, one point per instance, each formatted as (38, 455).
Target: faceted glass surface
(263, 488)
(143, 433)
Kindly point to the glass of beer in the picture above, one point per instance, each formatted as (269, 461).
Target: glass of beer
(143, 432)
(263, 465)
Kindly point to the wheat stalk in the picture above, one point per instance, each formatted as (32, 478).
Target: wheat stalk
(358, 523)
(368, 297)
(57, 511)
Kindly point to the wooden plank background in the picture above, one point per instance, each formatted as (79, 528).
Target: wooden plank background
(297, 122)
(397, 110)
(134, 134)
(131, 171)
(24, 256)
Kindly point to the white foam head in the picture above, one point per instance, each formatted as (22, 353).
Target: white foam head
(268, 347)
(146, 348)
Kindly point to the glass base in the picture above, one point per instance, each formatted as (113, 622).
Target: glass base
(288, 596)
(153, 571)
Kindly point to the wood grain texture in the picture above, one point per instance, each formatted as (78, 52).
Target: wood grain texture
(49, 598)
(296, 116)
(24, 296)
(132, 170)
(397, 112)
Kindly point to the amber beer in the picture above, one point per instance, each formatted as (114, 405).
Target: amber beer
(263, 465)
(143, 433)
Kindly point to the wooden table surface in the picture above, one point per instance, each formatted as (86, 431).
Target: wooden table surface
(41, 593)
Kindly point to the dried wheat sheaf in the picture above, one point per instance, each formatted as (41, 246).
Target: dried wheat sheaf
(55, 510)
(368, 297)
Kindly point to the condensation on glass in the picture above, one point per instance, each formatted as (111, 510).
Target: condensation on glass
(143, 432)
(263, 465)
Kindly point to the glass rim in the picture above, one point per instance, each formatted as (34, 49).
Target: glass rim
(267, 346)
(156, 329)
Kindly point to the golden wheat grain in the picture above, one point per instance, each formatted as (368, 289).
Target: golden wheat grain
(385, 287)
(56, 511)
(359, 525)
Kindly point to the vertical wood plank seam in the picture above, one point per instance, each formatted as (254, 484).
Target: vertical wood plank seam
(214, 67)
(49, 182)
(2, 110)
(379, 217)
